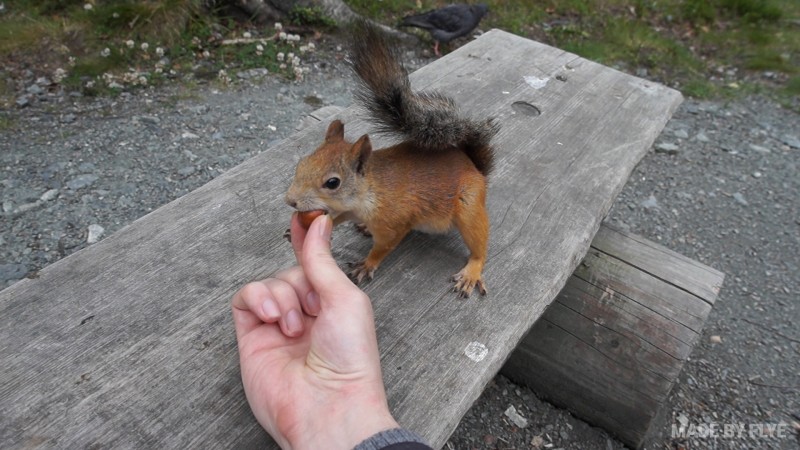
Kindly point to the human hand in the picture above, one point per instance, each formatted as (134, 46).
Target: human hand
(308, 350)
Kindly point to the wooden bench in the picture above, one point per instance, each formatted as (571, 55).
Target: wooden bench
(129, 343)
(611, 346)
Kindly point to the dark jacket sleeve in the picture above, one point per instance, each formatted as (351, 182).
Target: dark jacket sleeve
(394, 439)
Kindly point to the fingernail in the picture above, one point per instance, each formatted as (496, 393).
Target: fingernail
(312, 301)
(325, 229)
(294, 323)
(271, 310)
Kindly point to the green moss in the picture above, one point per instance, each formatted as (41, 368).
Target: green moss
(310, 16)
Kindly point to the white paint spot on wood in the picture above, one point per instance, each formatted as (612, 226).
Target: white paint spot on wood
(476, 351)
(536, 82)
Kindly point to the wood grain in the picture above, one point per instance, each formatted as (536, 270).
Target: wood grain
(611, 346)
(129, 343)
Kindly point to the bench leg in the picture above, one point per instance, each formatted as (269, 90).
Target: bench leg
(613, 343)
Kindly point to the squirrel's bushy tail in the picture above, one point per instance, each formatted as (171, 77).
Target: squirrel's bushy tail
(428, 119)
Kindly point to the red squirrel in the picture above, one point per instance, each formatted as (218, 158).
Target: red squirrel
(432, 181)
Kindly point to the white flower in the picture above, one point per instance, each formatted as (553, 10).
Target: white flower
(142, 80)
(206, 54)
(247, 35)
(196, 41)
(280, 56)
(159, 51)
(282, 36)
(311, 46)
(106, 52)
(260, 47)
(278, 26)
(130, 43)
(90, 84)
(290, 56)
(296, 61)
(72, 61)
(88, 6)
(59, 75)
(145, 46)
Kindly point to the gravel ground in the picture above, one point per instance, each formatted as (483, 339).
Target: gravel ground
(721, 186)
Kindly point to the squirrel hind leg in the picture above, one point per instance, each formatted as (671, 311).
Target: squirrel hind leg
(472, 222)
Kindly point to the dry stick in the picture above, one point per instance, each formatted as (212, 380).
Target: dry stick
(770, 329)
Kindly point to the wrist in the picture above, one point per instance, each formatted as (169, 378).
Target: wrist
(345, 422)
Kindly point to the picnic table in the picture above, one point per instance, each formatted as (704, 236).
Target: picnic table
(130, 343)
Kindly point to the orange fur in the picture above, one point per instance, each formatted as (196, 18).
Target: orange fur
(393, 191)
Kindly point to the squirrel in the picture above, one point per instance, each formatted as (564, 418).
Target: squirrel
(432, 181)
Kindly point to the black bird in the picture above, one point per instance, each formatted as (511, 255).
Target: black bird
(447, 23)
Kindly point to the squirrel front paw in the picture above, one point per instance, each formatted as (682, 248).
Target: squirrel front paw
(465, 284)
(361, 271)
(362, 228)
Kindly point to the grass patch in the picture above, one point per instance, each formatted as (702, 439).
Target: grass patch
(700, 46)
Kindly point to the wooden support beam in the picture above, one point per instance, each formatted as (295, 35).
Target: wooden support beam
(612, 344)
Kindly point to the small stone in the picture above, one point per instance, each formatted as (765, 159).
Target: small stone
(10, 272)
(218, 136)
(68, 118)
(740, 198)
(759, 149)
(188, 135)
(186, 171)
(681, 134)
(667, 148)
(515, 417)
(650, 203)
(23, 101)
(115, 85)
(152, 120)
(756, 174)
(8, 206)
(34, 89)
(81, 181)
(791, 141)
(86, 167)
(564, 435)
(49, 195)
(95, 232)
(701, 137)
(253, 73)
(537, 442)
(715, 339)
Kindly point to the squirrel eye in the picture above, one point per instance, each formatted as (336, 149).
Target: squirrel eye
(332, 183)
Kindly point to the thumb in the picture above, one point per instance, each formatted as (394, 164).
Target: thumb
(320, 268)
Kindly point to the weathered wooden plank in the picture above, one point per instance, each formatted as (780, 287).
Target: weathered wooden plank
(129, 340)
(613, 343)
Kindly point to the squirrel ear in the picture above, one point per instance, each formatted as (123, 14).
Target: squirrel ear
(335, 131)
(360, 153)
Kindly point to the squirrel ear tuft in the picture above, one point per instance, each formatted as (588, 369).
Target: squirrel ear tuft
(335, 131)
(360, 153)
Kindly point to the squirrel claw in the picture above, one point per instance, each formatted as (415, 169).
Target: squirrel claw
(465, 285)
(288, 234)
(362, 228)
(360, 271)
